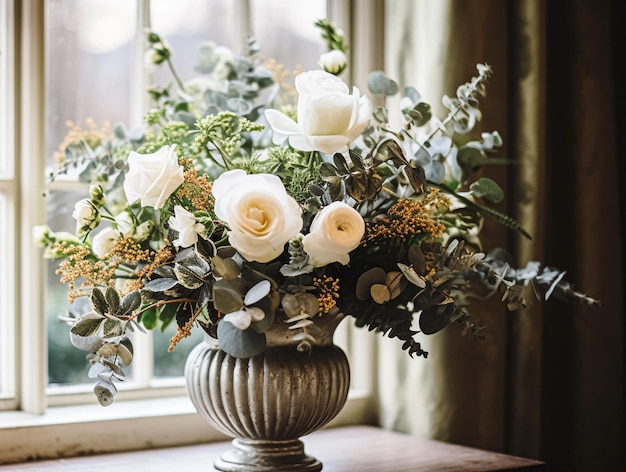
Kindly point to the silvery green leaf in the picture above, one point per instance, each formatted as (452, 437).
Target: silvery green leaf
(98, 301)
(86, 343)
(105, 393)
(240, 319)
(125, 354)
(488, 189)
(130, 303)
(301, 324)
(96, 369)
(160, 285)
(113, 299)
(80, 306)
(225, 298)
(379, 84)
(113, 328)
(120, 131)
(187, 278)
(412, 93)
(88, 324)
(238, 343)
(225, 267)
(257, 292)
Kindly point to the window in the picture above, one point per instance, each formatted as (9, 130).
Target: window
(72, 55)
(8, 189)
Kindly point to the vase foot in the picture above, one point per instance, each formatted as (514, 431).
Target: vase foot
(250, 455)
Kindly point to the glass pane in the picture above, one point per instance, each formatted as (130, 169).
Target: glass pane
(285, 31)
(89, 58)
(171, 364)
(186, 24)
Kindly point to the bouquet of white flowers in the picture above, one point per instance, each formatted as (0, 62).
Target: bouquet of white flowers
(244, 203)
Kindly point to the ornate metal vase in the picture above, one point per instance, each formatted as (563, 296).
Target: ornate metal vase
(269, 401)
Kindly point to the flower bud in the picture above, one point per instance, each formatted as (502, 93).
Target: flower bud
(86, 215)
(333, 62)
(96, 193)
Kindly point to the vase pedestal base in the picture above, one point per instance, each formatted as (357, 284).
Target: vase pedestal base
(250, 455)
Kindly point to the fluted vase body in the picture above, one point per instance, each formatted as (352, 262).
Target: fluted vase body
(269, 401)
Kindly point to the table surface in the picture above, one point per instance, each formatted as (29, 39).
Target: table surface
(342, 449)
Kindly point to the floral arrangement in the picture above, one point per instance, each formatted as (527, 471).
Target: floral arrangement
(245, 202)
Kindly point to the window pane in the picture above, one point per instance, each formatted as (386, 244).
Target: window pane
(286, 32)
(89, 57)
(187, 23)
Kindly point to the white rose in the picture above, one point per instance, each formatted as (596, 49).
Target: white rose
(333, 61)
(86, 215)
(329, 118)
(103, 241)
(336, 230)
(260, 215)
(152, 178)
(125, 223)
(188, 228)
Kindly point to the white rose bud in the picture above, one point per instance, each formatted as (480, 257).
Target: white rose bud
(329, 117)
(152, 178)
(86, 215)
(96, 193)
(336, 230)
(143, 231)
(103, 242)
(125, 224)
(188, 228)
(260, 214)
(333, 62)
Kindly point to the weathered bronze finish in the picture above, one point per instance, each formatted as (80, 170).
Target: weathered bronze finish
(267, 402)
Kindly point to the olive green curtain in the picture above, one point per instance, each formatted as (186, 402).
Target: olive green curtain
(549, 383)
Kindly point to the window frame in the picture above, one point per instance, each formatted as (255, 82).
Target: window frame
(40, 422)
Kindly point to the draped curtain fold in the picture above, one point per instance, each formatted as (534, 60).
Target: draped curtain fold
(549, 382)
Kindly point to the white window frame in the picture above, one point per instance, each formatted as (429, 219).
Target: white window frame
(44, 426)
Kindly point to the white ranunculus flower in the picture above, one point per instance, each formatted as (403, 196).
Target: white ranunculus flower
(152, 178)
(260, 214)
(333, 61)
(187, 226)
(86, 215)
(336, 230)
(103, 242)
(329, 117)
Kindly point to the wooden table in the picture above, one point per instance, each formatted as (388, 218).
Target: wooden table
(342, 449)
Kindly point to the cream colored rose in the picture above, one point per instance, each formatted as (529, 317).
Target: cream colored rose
(152, 178)
(329, 117)
(335, 231)
(260, 215)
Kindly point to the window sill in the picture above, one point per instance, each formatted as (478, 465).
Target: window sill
(362, 448)
(68, 431)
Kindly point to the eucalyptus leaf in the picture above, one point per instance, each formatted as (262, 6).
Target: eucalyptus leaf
(238, 343)
(258, 292)
(225, 267)
(379, 84)
(431, 321)
(488, 189)
(105, 393)
(88, 324)
(225, 298)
